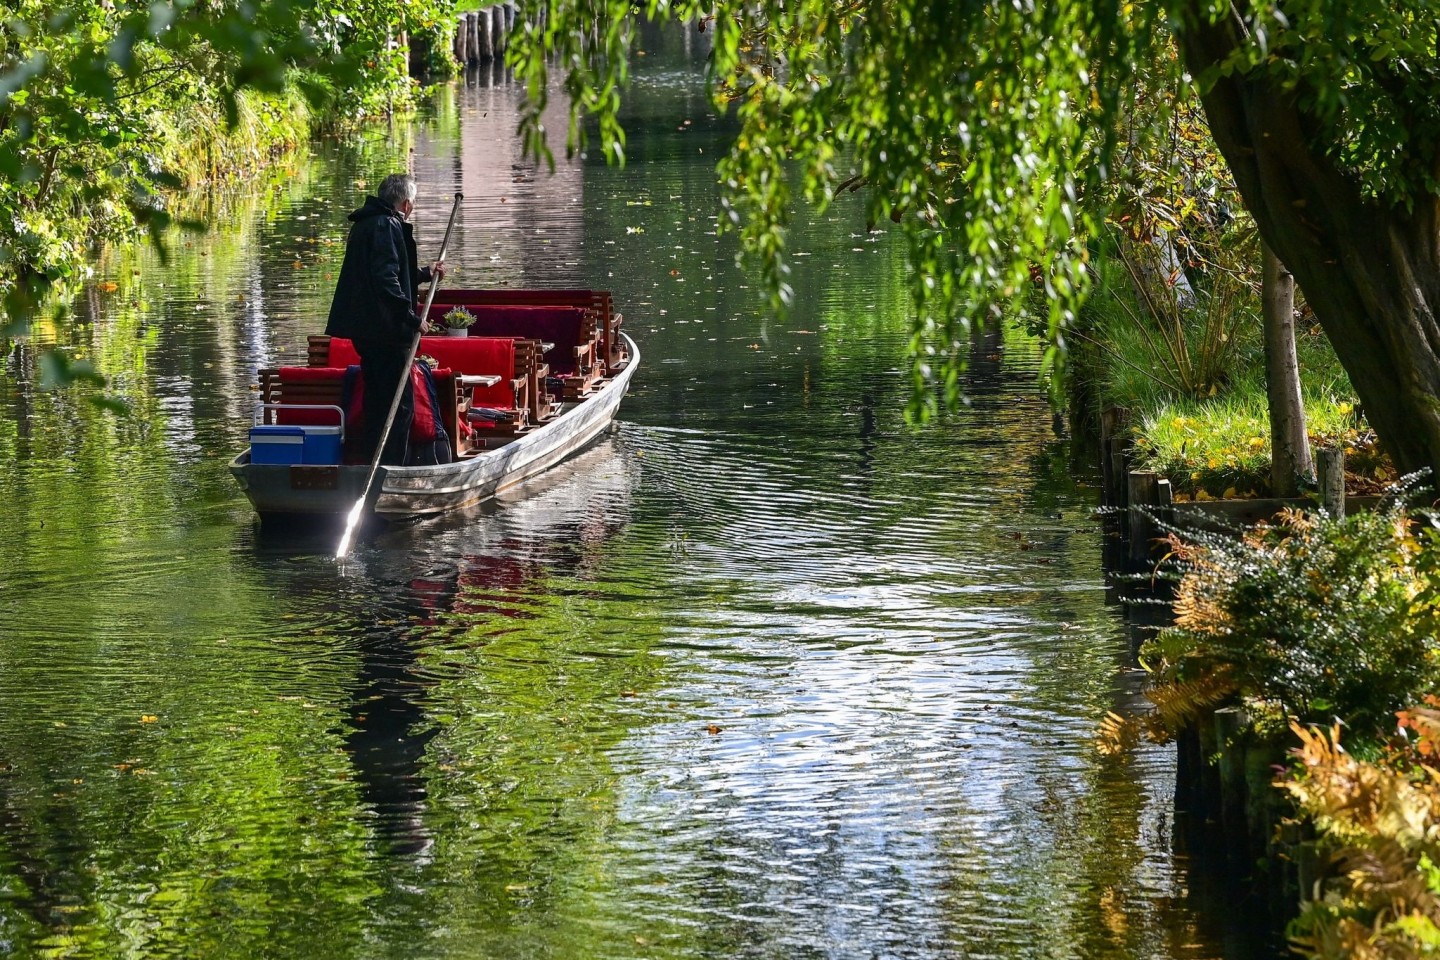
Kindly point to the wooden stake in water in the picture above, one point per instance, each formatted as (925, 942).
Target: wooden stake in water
(352, 520)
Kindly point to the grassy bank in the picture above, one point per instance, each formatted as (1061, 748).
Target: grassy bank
(55, 230)
(1319, 629)
(1191, 371)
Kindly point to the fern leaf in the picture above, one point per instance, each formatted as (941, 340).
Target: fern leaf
(1117, 735)
(1179, 702)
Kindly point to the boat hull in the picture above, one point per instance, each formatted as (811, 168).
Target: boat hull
(280, 491)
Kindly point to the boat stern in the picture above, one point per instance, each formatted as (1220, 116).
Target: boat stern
(299, 489)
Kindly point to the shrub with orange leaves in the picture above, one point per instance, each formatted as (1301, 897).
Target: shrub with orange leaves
(1380, 823)
(1316, 617)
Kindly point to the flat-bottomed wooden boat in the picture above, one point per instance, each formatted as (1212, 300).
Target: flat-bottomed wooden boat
(541, 377)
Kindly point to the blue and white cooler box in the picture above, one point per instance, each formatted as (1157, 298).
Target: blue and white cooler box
(289, 444)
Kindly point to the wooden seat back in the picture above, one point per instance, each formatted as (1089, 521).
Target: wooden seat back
(607, 321)
(280, 385)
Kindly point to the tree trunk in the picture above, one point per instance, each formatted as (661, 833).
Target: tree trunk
(1289, 442)
(1370, 271)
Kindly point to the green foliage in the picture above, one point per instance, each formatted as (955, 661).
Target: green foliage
(106, 109)
(977, 127)
(1212, 443)
(1366, 74)
(1172, 330)
(1001, 134)
(99, 104)
(1187, 323)
(1188, 252)
(1220, 447)
(1320, 617)
(458, 318)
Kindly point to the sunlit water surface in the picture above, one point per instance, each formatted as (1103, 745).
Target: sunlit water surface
(763, 674)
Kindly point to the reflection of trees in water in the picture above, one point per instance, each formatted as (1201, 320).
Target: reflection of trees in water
(985, 373)
(866, 466)
(389, 727)
(41, 871)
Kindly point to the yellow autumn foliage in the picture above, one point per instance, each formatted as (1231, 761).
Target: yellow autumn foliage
(1381, 824)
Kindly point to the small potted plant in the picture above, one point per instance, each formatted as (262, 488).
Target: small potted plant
(457, 322)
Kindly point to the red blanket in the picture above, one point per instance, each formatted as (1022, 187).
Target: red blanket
(427, 425)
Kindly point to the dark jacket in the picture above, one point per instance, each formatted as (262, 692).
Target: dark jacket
(375, 295)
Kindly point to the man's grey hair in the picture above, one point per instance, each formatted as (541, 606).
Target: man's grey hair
(397, 188)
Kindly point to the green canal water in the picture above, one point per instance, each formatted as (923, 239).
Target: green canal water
(763, 674)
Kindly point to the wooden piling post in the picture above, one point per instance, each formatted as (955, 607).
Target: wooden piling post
(1114, 440)
(1120, 469)
(1165, 502)
(1230, 725)
(487, 48)
(1143, 497)
(1189, 797)
(502, 29)
(1209, 785)
(1307, 869)
(472, 27)
(1330, 464)
(1264, 806)
(457, 43)
(1112, 421)
(1287, 841)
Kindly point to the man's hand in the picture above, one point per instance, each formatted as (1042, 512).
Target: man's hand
(437, 271)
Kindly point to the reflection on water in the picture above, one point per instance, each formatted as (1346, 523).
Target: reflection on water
(762, 674)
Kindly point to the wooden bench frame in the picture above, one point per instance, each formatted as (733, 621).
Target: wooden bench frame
(527, 382)
(607, 321)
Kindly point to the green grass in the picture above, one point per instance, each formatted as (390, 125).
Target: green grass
(1220, 446)
(199, 145)
(1216, 445)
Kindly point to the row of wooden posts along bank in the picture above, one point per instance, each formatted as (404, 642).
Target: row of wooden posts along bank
(1144, 503)
(484, 34)
(1224, 777)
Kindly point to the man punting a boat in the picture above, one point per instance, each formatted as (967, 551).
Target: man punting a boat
(374, 306)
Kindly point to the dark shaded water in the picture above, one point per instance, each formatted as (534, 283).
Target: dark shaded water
(764, 674)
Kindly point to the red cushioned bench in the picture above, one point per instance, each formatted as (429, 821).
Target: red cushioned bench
(518, 394)
(602, 324)
(607, 321)
(568, 331)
